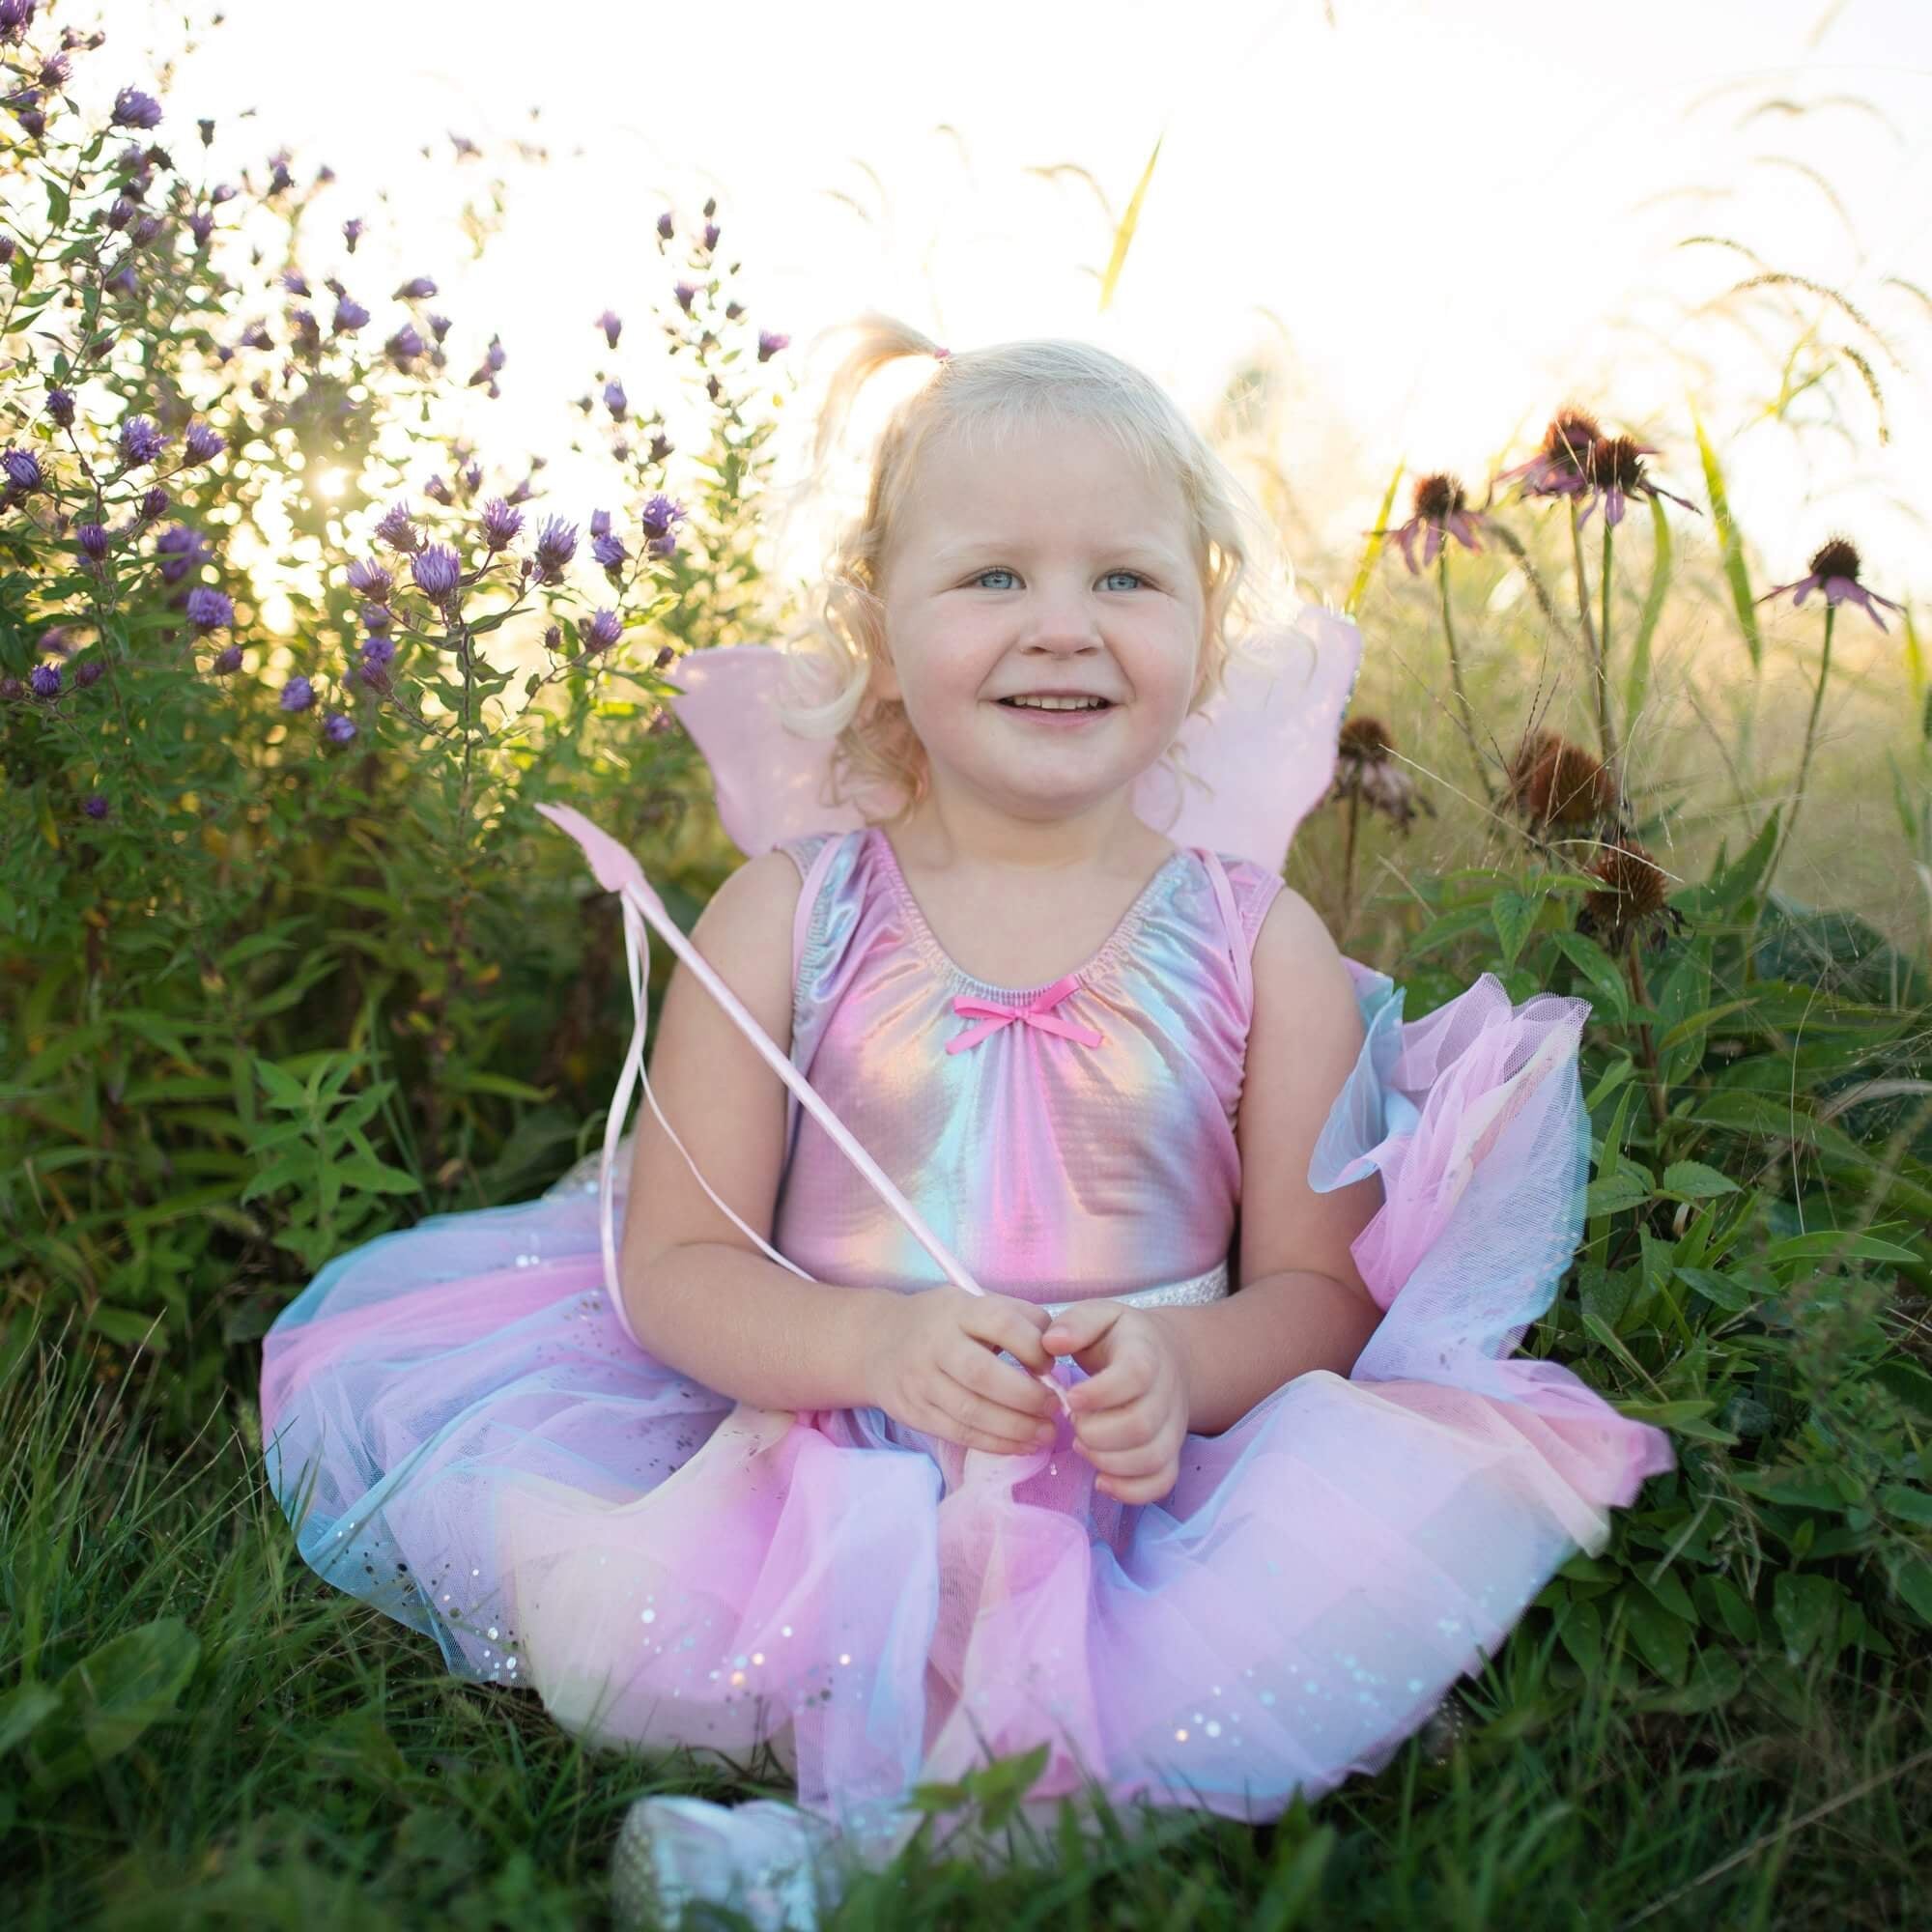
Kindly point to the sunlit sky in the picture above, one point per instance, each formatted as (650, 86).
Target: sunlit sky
(1443, 217)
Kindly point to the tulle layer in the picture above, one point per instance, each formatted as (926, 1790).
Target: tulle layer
(465, 1438)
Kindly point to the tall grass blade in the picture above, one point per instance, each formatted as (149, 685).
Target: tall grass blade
(1373, 554)
(1637, 685)
(1729, 549)
(1124, 235)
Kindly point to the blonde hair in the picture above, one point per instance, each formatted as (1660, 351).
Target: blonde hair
(842, 639)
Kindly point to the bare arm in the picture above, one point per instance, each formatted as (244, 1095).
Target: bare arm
(1301, 1303)
(699, 1294)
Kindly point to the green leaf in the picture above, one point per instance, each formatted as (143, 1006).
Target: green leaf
(374, 1175)
(1512, 914)
(129, 1327)
(1667, 1414)
(999, 1787)
(1692, 1180)
(1798, 1487)
(110, 1698)
(1730, 547)
(1830, 1245)
(1807, 1609)
(1580, 1632)
(1669, 1591)
(1630, 1186)
(21, 1711)
(1911, 1505)
(1913, 1581)
(1725, 1606)
(1610, 996)
(1721, 1291)
(1663, 1641)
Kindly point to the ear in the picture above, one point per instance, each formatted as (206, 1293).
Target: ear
(884, 685)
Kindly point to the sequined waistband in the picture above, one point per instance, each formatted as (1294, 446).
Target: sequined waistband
(1194, 1292)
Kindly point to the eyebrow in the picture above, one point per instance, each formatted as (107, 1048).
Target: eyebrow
(1136, 546)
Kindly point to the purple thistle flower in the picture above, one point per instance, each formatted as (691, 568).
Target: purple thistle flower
(55, 71)
(141, 441)
(7, 249)
(180, 550)
(23, 471)
(46, 680)
(603, 631)
(93, 541)
(711, 235)
(1835, 569)
(684, 292)
(375, 618)
(227, 660)
(337, 729)
(145, 230)
(95, 804)
(439, 326)
(221, 191)
(439, 492)
(134, 110)
(661, 447)
(11, 689)
(16, 17)
(296, 283)
(33, 122)
(396, 531)
(438, 572)
(207, 127)
(202, 443)
(770, 342)
(256, 336)
(124, 282)
(556, 545)
(612, 326)
(209, 609)
(88, 673)
(379, 650)
(660, 514)
(349, 316)
(419, 288)
(665, 227)
(352, 231)
(368, 579)
(201, 225)
(154, 502)
(120, 213)
(616, 400)
(600, 523)
(494, 358)
(500, 524)
(404, 347)
(609, 551)
(733, 310)
(297, 694)
(663, 546)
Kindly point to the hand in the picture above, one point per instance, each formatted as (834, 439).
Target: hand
(1130, 1415)
(934, 1365)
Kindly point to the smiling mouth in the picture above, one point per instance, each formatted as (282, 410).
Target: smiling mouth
(1056, 703)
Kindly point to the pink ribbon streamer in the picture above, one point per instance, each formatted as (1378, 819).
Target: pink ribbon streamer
(618, 871)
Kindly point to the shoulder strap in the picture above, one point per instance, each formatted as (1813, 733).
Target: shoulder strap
(808, 898)
(1231, 924)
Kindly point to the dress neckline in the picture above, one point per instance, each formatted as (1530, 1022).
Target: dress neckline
(936, 956)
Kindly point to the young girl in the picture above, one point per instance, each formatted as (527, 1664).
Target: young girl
(1229, 1472)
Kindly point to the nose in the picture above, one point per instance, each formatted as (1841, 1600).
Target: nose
(1063, 625)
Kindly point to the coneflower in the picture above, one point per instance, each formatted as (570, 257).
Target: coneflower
(1613, 470)
(1440, 511)
(1556, 470)
(1632, 898)
(1554, 782)
(1834, 569)
(1366, 774)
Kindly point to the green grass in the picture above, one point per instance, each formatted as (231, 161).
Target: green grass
(317, 1768)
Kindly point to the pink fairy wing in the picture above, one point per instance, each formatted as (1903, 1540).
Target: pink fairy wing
(1265, 746)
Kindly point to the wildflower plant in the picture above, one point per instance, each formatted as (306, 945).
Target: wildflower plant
(284, 650)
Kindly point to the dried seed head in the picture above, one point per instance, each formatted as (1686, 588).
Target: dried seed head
(1556, 783)
(1632, 892)
(1366, 740)
(1614, 463)
(1439, 498)
(1571, 433)
(1840, 557)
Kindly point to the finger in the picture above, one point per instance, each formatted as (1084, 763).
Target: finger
(1010, 1325)
(1000, 1382)
(1013, 1430)
(1124, 1428)
(1115, 1385)
(1140, 1488)
(1137, 1459)
(1076, 1329)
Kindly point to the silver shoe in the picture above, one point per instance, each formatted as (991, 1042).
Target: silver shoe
(769, 1860)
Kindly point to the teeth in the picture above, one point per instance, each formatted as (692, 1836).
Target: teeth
(1058, 703)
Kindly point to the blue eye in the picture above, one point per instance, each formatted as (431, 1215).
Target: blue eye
(998, 570)
(1134, 574)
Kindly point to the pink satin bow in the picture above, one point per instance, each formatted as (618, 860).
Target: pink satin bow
(1034, 1011)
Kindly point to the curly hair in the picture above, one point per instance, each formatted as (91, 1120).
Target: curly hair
(840, 641)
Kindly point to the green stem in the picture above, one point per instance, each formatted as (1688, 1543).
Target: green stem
(1466, 716)
(1804, 758)
(1349, 865)
(1606, 732)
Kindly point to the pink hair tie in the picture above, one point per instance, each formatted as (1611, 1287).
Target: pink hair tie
(940, 355)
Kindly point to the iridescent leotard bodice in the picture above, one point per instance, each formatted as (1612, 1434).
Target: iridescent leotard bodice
(1053, 1165)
